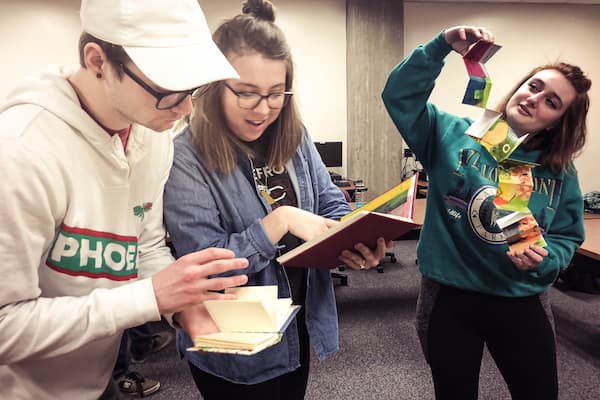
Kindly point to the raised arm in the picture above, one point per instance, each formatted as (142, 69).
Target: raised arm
(411, 82)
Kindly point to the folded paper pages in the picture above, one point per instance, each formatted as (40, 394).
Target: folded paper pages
(480, 84)
(249, 324)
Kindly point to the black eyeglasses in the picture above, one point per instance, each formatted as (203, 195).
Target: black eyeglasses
(250, 100)
(164, 101)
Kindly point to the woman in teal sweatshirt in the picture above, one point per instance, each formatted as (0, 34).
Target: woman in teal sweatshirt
(475, 290)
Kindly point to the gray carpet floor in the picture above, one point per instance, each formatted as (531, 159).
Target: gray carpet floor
(380, 357)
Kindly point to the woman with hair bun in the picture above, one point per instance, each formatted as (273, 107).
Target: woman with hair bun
(247, 177)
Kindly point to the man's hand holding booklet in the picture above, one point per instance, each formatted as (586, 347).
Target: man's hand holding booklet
(248, 324)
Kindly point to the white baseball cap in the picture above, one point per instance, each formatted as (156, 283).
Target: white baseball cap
(168, 40)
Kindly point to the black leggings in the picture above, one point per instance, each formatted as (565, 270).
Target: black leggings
(290, 386)
(517, 332)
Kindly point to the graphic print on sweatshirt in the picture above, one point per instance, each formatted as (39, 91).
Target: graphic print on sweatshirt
(476, 202)
(141, 210)
(93, 254)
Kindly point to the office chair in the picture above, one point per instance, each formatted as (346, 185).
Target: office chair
(393, 260)
(341, 276)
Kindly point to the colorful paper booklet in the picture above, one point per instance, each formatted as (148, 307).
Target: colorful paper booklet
(249, 324)
(521, 230)
(515, 182)
(495, 135)
(364, 225)
(480, 84)
(515, 185)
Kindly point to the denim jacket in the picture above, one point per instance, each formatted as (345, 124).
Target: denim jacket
(204, 208)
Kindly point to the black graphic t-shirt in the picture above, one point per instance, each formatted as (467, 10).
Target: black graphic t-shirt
(276, 186)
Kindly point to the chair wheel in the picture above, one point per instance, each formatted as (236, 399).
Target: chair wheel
(393, 259)
(380, 269)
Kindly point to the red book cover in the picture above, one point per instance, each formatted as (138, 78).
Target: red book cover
(364, 227)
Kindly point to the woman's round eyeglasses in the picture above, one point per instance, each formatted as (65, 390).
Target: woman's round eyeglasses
(251, 100)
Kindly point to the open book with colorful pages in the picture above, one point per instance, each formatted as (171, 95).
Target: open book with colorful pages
(249, 324)
(399, 200)
(364, 225)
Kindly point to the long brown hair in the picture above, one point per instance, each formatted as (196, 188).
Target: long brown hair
(254, 31)
(561, 143)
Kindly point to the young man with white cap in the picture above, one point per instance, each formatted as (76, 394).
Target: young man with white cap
(82, 170)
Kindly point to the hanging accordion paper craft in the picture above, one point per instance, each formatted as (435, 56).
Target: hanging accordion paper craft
(515, 183)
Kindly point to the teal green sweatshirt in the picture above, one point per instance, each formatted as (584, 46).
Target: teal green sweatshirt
(460, 245)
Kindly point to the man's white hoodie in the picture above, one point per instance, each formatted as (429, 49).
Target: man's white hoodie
(81, 231)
